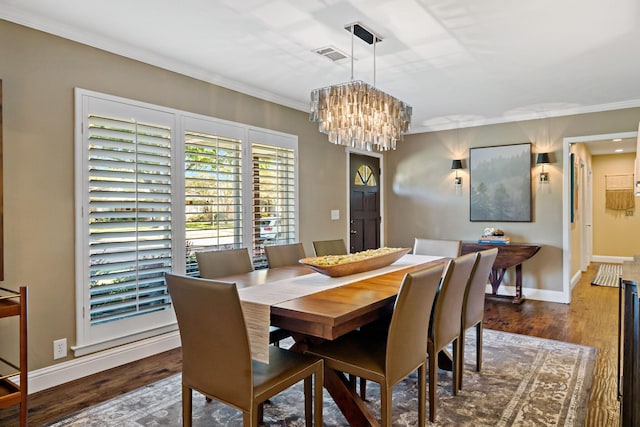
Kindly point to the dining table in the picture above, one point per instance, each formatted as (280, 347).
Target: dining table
(327, 308)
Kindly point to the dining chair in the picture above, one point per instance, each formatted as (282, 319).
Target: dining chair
(473, 306)
(389, 358)
(216, 354)
(436, 247)
(216, 264)
(444, 327)
(284, 255)
(329, 247)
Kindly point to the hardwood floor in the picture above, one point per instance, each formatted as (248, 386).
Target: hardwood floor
(591, 319)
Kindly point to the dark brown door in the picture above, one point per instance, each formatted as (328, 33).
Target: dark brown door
(364, 203)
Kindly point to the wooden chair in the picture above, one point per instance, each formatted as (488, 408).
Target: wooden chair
(216, 264)
(284, 255)
(387, 359)
(329, 247)
(448, 248)
(444, 327)
(473, 306)
(216, 356)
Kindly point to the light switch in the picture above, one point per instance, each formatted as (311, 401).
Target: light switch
(335, 214)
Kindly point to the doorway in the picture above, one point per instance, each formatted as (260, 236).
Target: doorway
(365, 190)
(582, 254)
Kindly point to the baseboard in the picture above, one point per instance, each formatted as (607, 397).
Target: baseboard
(534, 294)
(51, 376)
(575, 279)
(611, 259)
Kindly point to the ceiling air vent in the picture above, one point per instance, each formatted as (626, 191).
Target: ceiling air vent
(331, 52)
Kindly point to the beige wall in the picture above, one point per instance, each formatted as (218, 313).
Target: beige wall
(614, 233)
(39, 74)
(421, 199)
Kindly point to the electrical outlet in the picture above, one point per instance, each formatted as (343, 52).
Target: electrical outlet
(59, 348)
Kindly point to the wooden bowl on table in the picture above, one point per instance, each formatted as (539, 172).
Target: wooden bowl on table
(344, 265)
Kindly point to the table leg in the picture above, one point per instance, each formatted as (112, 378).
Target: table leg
(519, 298)
(495, 278)
(352, 406)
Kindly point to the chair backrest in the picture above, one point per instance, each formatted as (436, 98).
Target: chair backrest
(214, 264)
(406, 340)
(473, 305)
(448, 248)
(447, 310)
(216, 355)
(329, 247)
(283, 255)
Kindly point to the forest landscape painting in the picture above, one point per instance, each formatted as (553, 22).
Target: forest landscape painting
(500, 178)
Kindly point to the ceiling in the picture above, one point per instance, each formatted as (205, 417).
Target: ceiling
(456, 62)
(612, 146)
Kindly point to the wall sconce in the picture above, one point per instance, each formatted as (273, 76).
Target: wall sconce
(542, 159)
(457, 164)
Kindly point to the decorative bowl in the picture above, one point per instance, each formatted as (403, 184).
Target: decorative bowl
(344, 265)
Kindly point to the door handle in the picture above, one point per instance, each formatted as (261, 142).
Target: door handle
(354, 232)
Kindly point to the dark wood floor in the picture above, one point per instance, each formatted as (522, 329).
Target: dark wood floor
(591, 319)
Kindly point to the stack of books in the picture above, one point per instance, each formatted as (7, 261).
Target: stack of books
(497, 240)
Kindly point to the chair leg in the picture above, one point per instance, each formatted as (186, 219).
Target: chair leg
(422, 394)
(318, 382)
(186, 406)
(352, 382)
(456, 366)
(479, 346)
(363, 389)
(307, 401)
(432, 360)
(386, 401)
(461, 362)
(255, 417)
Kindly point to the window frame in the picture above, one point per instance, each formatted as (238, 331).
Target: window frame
(89, 338)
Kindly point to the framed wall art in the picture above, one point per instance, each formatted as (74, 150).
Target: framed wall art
(500, 178)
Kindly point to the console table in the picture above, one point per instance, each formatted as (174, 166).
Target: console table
(509, 255)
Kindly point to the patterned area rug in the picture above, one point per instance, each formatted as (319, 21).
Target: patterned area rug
(608, 275)
(525, 381)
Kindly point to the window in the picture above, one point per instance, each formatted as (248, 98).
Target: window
(213, 194)
(155, 185)
(273, 185)
(365, 176)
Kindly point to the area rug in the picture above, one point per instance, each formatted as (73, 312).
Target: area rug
(608, 275)
(525, 381)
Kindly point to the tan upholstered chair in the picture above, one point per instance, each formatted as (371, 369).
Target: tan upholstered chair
(216, 356)
(473, 306)
(448, 248)
(329, 247)
(444, 327)
(284, 255)
(214, 264)
(387, 359)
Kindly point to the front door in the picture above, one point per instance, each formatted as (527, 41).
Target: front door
(364, 206)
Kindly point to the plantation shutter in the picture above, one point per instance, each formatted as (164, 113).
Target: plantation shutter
(213, 194)
(274, 196)
(129, 216)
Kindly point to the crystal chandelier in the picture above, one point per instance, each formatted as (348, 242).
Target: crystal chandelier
(357, 114)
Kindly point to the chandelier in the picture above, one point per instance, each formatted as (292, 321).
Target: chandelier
(357, 114)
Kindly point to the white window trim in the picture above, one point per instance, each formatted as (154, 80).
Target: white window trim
(86, 342)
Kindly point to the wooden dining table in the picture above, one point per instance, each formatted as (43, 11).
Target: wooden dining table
(331, 313)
